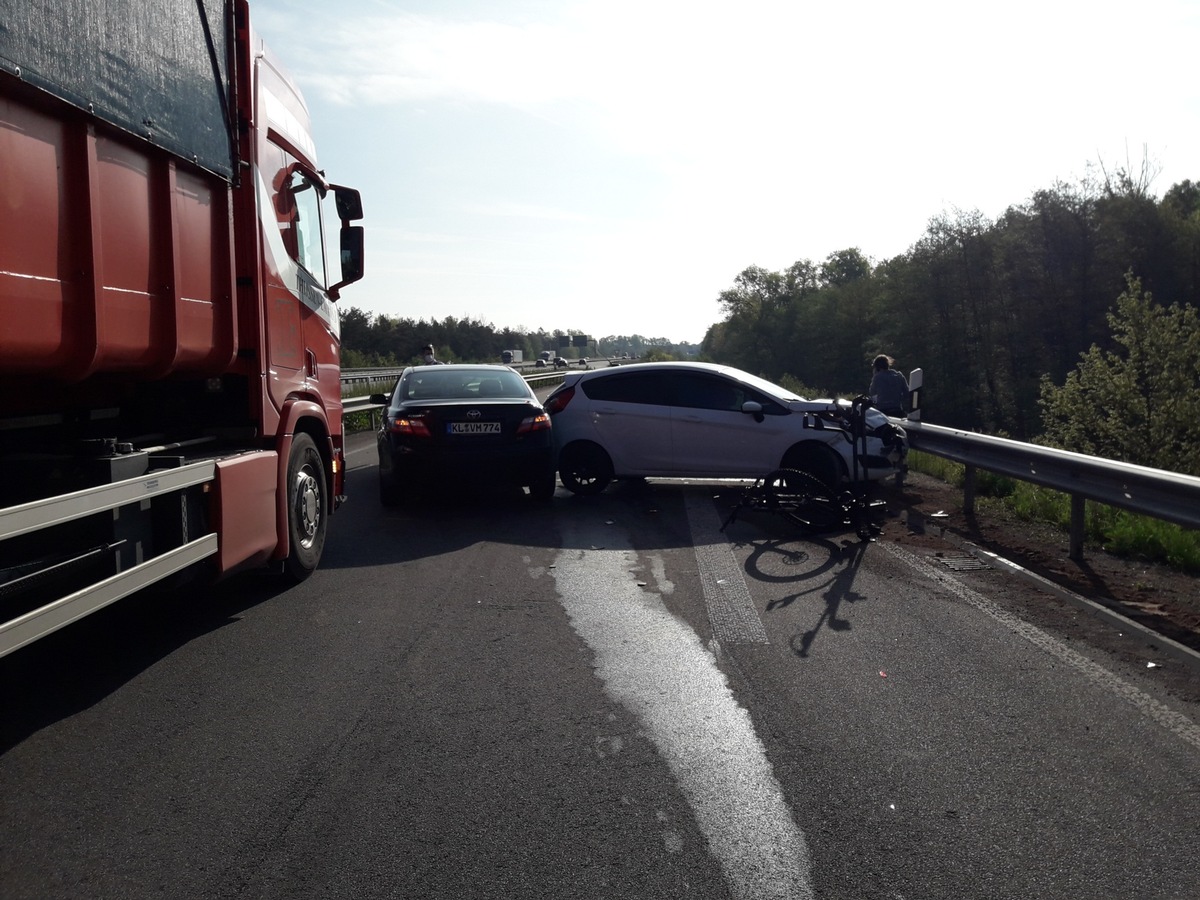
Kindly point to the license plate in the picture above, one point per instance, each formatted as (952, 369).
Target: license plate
(473, 427)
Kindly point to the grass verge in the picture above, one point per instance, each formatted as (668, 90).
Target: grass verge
(1121, 533)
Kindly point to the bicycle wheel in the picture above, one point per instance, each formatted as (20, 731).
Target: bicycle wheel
(802, 497)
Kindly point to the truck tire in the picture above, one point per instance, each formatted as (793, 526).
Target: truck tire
(308, 508)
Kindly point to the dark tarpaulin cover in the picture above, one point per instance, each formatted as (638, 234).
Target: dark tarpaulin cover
(156, 68)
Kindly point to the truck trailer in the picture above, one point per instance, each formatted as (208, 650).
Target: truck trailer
(169, 343)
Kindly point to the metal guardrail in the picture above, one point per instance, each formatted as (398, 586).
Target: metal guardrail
(369, 376)
(359, 404)
(1156, 493)
(366, 376)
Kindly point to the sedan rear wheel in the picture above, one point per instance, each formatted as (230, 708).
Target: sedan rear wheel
(585, 469)
(389, 490)
(542, 490)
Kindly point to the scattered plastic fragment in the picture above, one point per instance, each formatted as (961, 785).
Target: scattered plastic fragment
(882, 674)
(609, 522)
(940, 514)
(1152, 665)
(641, 584)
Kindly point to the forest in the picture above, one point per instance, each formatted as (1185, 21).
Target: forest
(996, 313)
(374, 340)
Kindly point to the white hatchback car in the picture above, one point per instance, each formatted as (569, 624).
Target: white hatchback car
(698, 420)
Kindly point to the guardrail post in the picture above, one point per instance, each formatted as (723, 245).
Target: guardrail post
(969, 490)
(1078, 526)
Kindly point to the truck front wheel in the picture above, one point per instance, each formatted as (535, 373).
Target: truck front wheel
(308, 509)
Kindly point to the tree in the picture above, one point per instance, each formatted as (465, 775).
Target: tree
(1141, 402)
(755, 306)
(844, 267)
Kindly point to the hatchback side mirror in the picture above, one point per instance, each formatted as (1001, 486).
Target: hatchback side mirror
(754, 408)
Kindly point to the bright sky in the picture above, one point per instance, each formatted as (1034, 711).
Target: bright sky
(610, 166)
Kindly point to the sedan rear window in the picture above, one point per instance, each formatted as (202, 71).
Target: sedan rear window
(428, 383)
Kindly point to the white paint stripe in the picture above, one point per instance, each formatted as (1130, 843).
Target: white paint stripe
(731, 610)
(1163, 715)
(655, 665)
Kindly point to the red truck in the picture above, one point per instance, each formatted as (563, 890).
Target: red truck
(170, 397)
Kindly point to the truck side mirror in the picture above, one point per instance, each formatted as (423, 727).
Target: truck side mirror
(352, 257)
(349, 203)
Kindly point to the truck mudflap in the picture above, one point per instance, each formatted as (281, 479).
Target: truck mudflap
(244, 505)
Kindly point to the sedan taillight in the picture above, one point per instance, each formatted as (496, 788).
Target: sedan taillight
(412, 427)
(540, 422)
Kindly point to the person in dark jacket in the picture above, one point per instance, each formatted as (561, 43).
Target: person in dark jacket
(889, 389)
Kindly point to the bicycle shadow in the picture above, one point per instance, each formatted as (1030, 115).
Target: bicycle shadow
(837, 573)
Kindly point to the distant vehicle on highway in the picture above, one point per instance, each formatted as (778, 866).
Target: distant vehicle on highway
(540, 363)
(475, 423)
(559, 362)
(677, 419)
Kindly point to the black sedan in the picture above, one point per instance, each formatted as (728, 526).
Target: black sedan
(463, 424)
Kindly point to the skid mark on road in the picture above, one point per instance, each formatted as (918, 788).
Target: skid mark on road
(655, 665)
(1163, 715)
(731, 611)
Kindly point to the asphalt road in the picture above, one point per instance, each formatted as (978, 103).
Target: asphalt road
(598, 698)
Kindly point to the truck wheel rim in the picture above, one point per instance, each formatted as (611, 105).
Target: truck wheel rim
(308, 506)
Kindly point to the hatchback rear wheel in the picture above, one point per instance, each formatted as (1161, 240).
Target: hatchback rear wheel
(585, 469)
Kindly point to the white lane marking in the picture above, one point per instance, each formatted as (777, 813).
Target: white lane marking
(655, 665)
(731, 611)
(1163, 715)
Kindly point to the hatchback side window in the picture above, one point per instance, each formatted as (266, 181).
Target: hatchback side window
(652, 388)
(698, 391)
